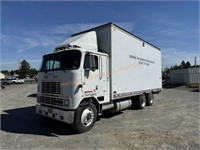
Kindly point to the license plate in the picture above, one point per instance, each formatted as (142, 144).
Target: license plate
(49, 110)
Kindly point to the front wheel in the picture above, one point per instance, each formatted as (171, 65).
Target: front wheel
(85, 118)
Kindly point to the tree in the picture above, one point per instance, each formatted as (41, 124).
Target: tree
(175, 67)
(16, 71)
(5, 72)
(166, 70)
(182, 65)
(187, 65)
(33, 72)
(197, 66)
(24, 69)
(12, 72)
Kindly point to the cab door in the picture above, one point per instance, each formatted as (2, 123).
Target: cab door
(91, 75)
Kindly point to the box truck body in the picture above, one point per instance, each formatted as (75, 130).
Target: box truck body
(112, 70)
(135, 64)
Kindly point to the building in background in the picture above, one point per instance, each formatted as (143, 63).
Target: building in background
(2, 76)
(185, 76)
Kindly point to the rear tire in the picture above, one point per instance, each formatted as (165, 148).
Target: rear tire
(85, 118)
(150, 99)
(141, 102)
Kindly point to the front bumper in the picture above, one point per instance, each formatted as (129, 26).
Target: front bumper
(56, 114)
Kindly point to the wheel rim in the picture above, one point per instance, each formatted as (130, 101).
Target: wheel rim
(143, 103)
(87, 117)
(151, 99)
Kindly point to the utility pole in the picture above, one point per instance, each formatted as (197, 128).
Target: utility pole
(195, 61)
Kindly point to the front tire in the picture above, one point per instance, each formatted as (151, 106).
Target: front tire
(85, 118)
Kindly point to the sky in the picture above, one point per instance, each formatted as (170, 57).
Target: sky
(31, 29)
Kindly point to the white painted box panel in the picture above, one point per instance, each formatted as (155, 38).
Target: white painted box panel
(136, 65)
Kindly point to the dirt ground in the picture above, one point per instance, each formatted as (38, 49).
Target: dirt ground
(172, 122)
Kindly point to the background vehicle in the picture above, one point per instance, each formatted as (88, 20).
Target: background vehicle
(6, 81)
(18, 81)
(103, 68)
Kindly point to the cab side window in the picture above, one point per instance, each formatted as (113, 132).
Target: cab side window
(87, 61)
(93, 59)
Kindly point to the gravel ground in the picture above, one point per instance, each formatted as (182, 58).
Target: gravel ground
(172, 122)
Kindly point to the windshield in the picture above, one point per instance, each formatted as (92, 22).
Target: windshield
(66, 60)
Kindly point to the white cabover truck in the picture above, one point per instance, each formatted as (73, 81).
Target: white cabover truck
(103, 68)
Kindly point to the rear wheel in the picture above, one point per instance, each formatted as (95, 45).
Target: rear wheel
(150, 99)
(141, 102)
(85, 118)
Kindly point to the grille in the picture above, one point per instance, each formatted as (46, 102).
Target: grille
(51, 87)
(51, 100)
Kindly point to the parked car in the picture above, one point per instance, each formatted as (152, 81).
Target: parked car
(6, 81)
(28, 80)
(16, 81)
